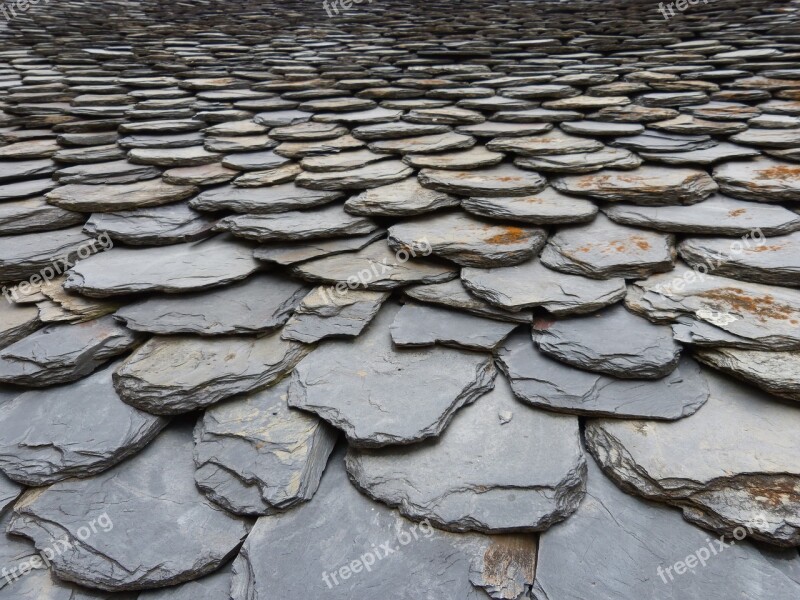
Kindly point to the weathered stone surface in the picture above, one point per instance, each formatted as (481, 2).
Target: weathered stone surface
(718, 214)
(110, 198)
(491, 129)
(341, 161)
(374, 267)
(298, 150)
(24, 189)
(16, 321)
(552, 142)
(324, 222)
(272, 199)
(374, 392)
(209, 587)
(374, 175)
(396, 130)
(62, 353)
(33, 215)
(648, 185)
(325, 312)
(547, 383)
(28, 254)
(254, 161)
(157, 226)
(425, 144)
(464, 481)
(192, 156)
(453, 294)
(755, 316)
(656, 142)
(155, 487)
(502, 180)
(345, 524)
(114, 172)
(256, 456)
(762, 179)
(738, 462)
(768, 138)
(474, 158)
(421, 325)
(774, 372)
(79, 429)
(543, 208)
(260, 303)
(601, 128)
(269, 177)
(289, 254)
(585, 162)
(467, 241)
(173, 269)
(774, 260)
(603, 249)
(404, 198)
(532, 284)
(204, 175)
(177, 374)
(612, 341)
(720, 153)
(648, 541)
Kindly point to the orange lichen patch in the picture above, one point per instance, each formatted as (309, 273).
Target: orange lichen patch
(779, 172)
(737, 300)
(511, 235)
(533, 200)
(769, 248)
(775, 491)
(737, 212)
(509, 553)
(509, 178)
(620, 246)
(641, 242)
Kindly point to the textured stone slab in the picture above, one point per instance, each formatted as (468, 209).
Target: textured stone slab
(612, 341)
(774, 260)
(324, 222)
(260, 303)
(464, 482)
(209, 587)
(33, 215)
(298, 150)
(762, 179)
(155, 487)
(374, 175)
(648, 185)
(177, 374)
(173, 269)
(325, 312)
(192, 156)
(16, 321)
(422, 325)
(547, 383)
(290, 254)
(397, 130)
(468, 241)
(532, 284)
(28, 254)
(774, 372)
(404, 198)
(62, 353)
(272, 199)
(114, 172)
(374, 267)
(758, 316)
(425, 144)
(256, 456)
(474, 158)
(341, 161)
(603, 249)
(254, 161)
(24, 189)
(584, 162)
(544, 208)
(722, 152)
(453, 294)
(157, 226)
(79, 429)
(110, 198)
(768, 138)
(346, 525)
(552, 142)
(491, 129)
(656, 142)
(718, 214)
(373, 391)
(502, 180)
(648, 542)
(738, 462)
(269, 177)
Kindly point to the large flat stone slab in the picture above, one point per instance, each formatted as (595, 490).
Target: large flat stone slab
(35, 214)
(262, 200)
(110, 198)
(260, 303)
(155, 488)
(157, 226)
(30, 254)
(737, 462)
(401, 199)
(362, 178)
(296, 252)
(762, 179)
(173, 269)
(453, 294)
(502, 180)
(374, 392)
(464, 480)
(544, 208)
(256, 456)
(79, 429)
(16, 321)
(178, 374)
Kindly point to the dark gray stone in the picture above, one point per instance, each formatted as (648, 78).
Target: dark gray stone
(762, 180)
(474, 158)
(584, 162)
(552, 142)
(16, 321)
(110, 198)
(404, 198)
(290, 254)
(29, 254)
(374, 175)
(157, 226)
(502, 180)
(273, 199)
(256, 456)
(453, 294)
(33, 215)
(544, 208)
(374, 392)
